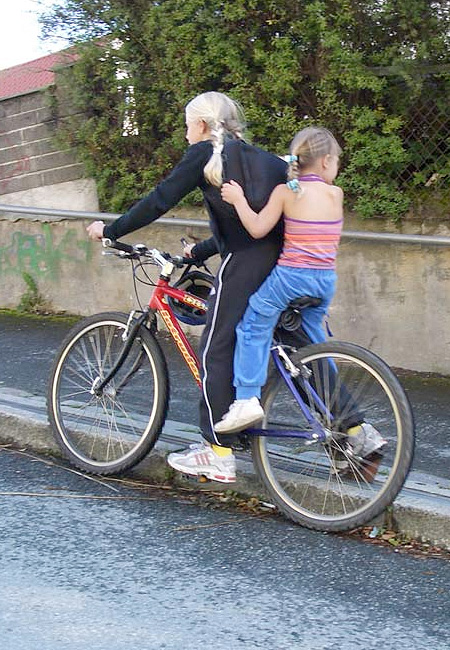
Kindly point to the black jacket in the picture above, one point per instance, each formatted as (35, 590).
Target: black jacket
(255, 169)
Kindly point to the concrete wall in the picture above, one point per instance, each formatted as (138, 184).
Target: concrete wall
(392, 298)
(395, 300)
(70, 270)
(34, 170)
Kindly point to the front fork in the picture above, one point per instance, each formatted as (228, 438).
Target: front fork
(128, 337)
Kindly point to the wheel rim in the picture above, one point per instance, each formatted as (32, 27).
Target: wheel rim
(106, 430)
(302, 477)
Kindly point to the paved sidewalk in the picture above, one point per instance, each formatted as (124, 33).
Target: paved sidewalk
(422, 510)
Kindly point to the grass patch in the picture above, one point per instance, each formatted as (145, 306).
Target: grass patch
(60, 317)
(32, 301)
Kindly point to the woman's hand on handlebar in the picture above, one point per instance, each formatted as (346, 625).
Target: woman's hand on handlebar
(187, 250)
(95, 230)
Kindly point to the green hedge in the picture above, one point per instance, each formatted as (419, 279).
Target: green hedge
(360, 68)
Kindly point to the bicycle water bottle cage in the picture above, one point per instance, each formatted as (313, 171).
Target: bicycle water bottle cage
(291, 318)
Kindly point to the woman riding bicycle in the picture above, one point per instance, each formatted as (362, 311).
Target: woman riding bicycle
(217, 153)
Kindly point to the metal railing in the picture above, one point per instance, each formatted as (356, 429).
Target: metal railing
(429, 240)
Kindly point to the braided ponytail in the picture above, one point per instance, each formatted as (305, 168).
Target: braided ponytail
(214, 167)
(223, 117)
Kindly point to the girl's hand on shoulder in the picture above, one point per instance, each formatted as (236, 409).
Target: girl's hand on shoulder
(231, 192)
(95, 230)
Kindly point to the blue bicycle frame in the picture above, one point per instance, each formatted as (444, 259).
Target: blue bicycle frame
(287, 370)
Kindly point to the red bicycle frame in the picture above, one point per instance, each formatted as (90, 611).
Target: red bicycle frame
(158, 302)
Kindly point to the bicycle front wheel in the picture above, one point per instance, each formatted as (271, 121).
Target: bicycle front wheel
(326, 485)
(109, 432)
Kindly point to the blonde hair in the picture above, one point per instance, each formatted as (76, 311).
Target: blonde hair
(223, 116)
(308, 145)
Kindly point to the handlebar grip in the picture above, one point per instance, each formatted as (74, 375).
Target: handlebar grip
(180, 261)
(118, 245)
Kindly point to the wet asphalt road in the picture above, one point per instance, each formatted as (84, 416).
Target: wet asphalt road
(83, 566)
(28, 345)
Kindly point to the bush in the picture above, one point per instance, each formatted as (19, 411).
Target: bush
(353, 66)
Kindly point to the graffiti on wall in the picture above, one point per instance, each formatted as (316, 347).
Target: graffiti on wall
(40, 255)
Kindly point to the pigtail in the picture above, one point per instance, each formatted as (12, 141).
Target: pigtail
(293, 166)
(213, 170)
(293, 173)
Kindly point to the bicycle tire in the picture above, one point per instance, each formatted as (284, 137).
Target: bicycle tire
(303, 479)
(110, 433)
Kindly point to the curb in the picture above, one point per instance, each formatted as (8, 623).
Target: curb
(421, 511)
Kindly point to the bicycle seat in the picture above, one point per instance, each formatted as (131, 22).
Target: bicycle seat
(290, 319)
(304, 301)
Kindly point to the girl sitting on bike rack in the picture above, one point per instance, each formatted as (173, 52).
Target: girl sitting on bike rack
(313, 216)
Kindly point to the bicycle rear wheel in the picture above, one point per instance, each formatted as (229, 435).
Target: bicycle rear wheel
(323, 485)
(113, 431)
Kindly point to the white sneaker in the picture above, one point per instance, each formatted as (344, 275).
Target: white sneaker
(202, 460)
(365, 441)
(241, 414)
(362, 452)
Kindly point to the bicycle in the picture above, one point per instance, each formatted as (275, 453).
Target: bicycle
(109, 392)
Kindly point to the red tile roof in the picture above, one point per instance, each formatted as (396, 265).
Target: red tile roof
(33, 75)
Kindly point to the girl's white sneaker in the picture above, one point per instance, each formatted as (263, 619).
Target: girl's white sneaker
(242, 413)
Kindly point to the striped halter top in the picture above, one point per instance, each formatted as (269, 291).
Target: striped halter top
(310, 244)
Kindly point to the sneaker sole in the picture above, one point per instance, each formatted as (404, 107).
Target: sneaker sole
(202, 478)
(240, 427)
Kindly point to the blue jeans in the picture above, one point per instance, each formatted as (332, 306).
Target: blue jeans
(254, 332)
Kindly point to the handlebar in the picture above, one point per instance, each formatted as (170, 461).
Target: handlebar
(136, 251)
(118, 245)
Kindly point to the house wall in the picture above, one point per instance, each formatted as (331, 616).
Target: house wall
(34, 169)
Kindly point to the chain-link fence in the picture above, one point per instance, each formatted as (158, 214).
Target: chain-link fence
(423, 100)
